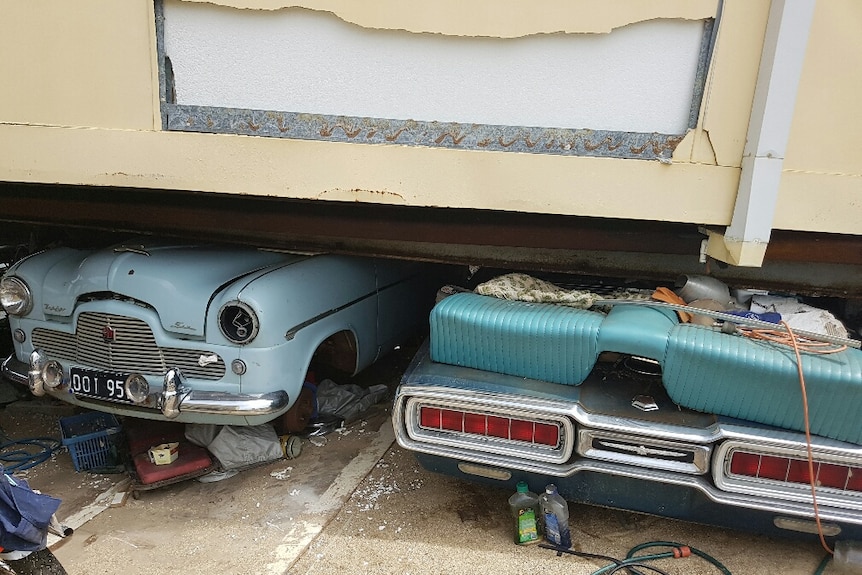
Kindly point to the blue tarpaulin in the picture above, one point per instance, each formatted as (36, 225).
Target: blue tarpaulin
(24, 515)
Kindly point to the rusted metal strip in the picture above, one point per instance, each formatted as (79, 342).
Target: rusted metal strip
(453, 135)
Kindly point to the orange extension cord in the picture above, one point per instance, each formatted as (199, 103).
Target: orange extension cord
(789, 338)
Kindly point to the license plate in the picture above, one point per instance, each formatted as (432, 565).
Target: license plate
(99, 384)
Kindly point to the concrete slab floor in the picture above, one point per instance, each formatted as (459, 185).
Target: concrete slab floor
(404, 520)
(258, 521)
(355, 503)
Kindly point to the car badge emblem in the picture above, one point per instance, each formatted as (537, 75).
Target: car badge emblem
(109, 334)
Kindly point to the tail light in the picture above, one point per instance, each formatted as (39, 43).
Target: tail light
(530, 431)
(796, 471)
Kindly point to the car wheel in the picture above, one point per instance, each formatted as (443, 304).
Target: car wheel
(297, 417)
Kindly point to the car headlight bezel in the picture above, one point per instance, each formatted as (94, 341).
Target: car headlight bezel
(238, 322)
(137, 388)
(15, 296)
(53, 374)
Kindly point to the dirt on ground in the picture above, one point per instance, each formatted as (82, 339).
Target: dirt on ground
(404, 520)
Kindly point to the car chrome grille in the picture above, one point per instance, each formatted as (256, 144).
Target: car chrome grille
(133, 348)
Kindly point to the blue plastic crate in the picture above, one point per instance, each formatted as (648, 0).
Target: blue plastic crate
(88, 439)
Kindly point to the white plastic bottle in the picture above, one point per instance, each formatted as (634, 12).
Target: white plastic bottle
(555, 511)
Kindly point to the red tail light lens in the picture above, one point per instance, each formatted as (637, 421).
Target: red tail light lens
(521, 430)
(793, 470)
(773, 467)
(854, 482)
(498, 427)
(429, 417)
(547, 434)
(473, 423)
(745, 464)
(832, 476)
(799, 471)
(452, 420)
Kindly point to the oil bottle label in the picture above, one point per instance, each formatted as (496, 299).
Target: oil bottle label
(527, 531)
(552, 529)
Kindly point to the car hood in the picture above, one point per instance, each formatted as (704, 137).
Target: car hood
(177, 281)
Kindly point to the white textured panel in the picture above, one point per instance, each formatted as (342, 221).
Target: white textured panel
(638, 78)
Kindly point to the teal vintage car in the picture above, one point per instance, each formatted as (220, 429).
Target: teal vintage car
(201, 333)
(620, 403)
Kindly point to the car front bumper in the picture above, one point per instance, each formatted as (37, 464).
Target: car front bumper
(174, 401)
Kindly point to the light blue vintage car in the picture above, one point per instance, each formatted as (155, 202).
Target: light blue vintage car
(201, 334)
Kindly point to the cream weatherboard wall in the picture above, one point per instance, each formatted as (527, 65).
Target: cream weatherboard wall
(80, 105)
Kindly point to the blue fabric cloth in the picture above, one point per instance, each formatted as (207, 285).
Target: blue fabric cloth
(769, 316)
(24, 515)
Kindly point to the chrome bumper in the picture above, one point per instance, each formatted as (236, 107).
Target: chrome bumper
(171, 401)
(14, 370)
(502, 465)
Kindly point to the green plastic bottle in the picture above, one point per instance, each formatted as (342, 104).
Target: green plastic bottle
(525, 511)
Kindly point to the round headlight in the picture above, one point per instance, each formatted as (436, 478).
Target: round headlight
(137, 388)
(15, 296)
(238, 322)
(52, 374)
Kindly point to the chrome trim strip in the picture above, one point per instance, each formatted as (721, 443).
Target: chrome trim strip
(803, 526)
(643, 452)
(291, 333)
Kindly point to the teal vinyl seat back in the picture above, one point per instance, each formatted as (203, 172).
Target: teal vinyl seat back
(637, 330)
(732, 375)
(535, 340)
(702, 368)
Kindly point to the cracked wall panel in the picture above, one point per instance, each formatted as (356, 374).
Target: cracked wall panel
(642, 78)
(409, 175)
(494, 18)
(730, 84)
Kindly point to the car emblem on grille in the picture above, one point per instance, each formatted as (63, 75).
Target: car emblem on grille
(109, 334)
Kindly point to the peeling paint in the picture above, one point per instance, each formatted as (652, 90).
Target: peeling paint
(493, 18)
